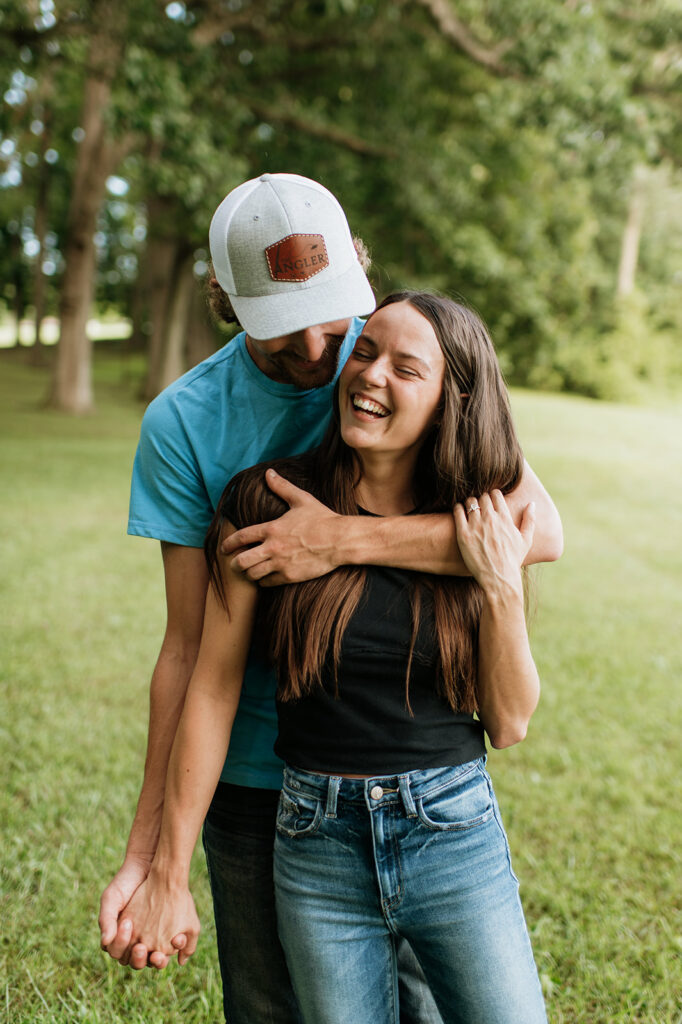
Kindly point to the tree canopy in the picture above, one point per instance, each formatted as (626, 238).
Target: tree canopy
(524, 156)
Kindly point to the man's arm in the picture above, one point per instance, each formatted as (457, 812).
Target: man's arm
(310, 540)
(163, 907)
(186, 581)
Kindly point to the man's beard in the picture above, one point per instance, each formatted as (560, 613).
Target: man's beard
(290, 372)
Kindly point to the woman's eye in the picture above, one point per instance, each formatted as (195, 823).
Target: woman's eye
(406, 371)
(361, 355)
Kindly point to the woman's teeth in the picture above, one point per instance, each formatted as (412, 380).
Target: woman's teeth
(367, 405)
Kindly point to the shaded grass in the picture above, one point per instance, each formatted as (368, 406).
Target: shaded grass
(591, 799)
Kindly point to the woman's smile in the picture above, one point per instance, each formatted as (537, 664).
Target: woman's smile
(363, 404)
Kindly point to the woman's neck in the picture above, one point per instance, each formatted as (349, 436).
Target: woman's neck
(386, 485)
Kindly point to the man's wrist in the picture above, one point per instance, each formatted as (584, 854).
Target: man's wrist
(350, 541)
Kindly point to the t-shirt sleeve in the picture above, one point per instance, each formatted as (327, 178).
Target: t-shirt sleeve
(168, 496)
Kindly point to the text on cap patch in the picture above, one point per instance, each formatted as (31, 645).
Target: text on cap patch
(297, 257)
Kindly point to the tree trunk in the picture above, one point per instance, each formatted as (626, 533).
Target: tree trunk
(97, 157)
(629, 251)
(173, 352)
(162, 257)
(203, 337)
(139, 307)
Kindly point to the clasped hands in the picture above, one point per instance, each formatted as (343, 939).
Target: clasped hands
(144, 921)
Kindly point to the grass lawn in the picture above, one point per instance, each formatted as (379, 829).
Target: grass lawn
(591, 799)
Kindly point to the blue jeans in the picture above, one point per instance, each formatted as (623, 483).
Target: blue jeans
(360, 863)
(238, 840)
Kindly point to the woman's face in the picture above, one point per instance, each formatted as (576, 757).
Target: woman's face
(390, 388)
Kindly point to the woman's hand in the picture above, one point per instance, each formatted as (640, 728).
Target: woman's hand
(492, 547)
(159, 912)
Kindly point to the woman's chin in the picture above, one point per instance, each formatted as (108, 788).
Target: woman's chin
(356, 437)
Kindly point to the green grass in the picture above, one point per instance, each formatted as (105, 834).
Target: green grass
(591, 799)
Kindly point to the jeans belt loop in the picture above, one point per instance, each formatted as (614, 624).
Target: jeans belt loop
(332, 793)
(406, 794)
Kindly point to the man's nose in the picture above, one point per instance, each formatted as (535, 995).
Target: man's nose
(311, 343)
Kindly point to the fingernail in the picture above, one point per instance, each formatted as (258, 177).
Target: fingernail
(271, 472)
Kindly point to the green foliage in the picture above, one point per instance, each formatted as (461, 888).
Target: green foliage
(631, 361)
(492, 156)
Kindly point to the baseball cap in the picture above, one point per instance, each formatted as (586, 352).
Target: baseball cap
(282, 250)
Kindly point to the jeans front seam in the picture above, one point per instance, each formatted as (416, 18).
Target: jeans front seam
(392, 903)
(498, 821)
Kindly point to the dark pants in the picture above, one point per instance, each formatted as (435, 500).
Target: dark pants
(239, 835)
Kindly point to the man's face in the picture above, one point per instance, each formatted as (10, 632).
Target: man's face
(306, 359)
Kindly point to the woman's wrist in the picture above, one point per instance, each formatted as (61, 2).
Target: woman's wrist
(503, 592)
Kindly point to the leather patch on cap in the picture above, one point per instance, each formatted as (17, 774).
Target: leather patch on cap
(297, 257)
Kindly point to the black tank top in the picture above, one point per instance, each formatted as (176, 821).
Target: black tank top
(368, 728)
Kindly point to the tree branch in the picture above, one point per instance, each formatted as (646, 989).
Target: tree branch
(455, 30)
(318, 130)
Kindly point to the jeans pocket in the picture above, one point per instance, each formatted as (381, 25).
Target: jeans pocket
(463, 803)
(297, 814)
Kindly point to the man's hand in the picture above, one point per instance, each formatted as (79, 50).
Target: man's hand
(155, 912)
(300, 545)
(116, 928)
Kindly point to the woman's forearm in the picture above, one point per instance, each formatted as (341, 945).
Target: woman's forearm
(508, 682)
(194, 769)
(203, 734)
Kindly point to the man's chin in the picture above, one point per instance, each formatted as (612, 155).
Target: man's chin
(318, 378)
(315, 377)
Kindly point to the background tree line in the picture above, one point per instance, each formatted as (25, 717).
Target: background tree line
(525, 156)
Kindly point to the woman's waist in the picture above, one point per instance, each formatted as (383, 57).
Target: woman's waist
(420, 783)
(339, 738)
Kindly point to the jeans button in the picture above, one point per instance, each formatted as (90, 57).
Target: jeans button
(376, 792)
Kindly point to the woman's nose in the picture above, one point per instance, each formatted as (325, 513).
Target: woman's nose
(374, 373)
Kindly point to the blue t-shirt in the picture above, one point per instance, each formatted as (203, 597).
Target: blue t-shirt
(217, 419)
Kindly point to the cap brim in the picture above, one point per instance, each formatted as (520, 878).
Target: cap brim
(272, 316)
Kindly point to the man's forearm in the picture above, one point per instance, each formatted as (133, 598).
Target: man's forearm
(548, 539)
(425, 543)
(428, 543)
(167, 696)
(310, 540)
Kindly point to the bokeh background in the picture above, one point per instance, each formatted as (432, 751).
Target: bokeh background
(524, 156)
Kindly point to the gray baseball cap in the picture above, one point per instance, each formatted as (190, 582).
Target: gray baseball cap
(282, 250)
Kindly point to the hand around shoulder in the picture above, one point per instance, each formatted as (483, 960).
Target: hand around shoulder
(302, 544)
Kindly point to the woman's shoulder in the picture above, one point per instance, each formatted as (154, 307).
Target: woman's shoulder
(247, 498)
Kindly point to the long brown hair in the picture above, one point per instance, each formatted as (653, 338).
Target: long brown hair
(473, 449)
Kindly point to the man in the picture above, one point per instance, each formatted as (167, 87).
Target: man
(284, 258)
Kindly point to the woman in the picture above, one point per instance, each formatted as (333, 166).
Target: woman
(387, 823)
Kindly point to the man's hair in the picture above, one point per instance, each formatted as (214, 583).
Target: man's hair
(471, 450)
(218, 299)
